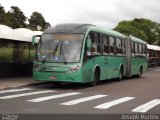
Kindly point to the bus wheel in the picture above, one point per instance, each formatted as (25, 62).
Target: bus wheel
(120, 77)
(95, 79)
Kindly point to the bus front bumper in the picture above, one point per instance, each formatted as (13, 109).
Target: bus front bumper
(59, 77)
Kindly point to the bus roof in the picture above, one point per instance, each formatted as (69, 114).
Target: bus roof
(137, 39)
(69, 28)
(107, 31)
(81, 28)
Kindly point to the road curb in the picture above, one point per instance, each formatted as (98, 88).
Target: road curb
(24, 85)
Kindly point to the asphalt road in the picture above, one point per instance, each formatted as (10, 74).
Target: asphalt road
(130, 96)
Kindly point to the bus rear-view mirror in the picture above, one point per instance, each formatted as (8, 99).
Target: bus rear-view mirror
(34, 39)
(89, 44)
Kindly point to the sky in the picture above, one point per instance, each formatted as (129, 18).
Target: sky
(105, 13)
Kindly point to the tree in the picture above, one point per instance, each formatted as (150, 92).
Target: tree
(37, 21)
(2, 15)
(47, 25)
(16, 18)
(142, 28)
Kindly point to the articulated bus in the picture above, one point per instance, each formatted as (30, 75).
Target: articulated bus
(85, 53)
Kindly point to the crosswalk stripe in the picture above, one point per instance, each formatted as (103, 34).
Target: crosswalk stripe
(147, 106)
(53, 97)
(14, 90)
(25, 94)
(114, 102)
(77, 101)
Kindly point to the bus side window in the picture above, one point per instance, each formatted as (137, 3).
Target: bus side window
(144, 50)
(105, 44)
(140, 50)
(112, 45)
(96, 49)
(133, 48)
(119, 46)
(136, 49)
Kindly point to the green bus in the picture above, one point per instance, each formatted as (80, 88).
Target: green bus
(85, 53)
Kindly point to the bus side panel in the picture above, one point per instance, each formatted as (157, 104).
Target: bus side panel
(114, 63)
(144, 64)
(109, 67)
(90, 65)
(87, 69)
(136, 62)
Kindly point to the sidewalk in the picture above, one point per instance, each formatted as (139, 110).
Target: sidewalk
(16, 81)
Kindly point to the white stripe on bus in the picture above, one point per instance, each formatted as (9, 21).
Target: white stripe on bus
(14, 90)
(114, 102)
(77, 101)
(53, 97)
(147, 106)
(25, 94)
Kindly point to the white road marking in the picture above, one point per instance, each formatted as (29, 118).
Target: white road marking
(25, 94)
(77, 101)
(147, 106)
(53, 97)
(14, 90)
(114, 102)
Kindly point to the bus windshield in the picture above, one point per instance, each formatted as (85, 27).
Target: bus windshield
(59, 48)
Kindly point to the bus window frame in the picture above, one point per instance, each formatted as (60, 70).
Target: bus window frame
(119, 46)
(136, 49)
(112, 47)
(105, 44)
(96, 42)
(133, 48)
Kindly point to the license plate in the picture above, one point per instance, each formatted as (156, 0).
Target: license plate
(52, 78)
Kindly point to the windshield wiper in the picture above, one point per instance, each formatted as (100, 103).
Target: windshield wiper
(49, 55)
(62, 53)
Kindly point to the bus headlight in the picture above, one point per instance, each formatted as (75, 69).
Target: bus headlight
(74, 68)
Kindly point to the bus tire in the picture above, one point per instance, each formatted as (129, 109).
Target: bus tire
(120, 77)
(95, 79)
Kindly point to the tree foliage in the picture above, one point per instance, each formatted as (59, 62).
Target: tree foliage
(37, 21)
(18, 17)
(2, 15)
(142, 28)
(15, 18)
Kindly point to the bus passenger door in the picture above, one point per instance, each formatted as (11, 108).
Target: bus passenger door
(87, 61)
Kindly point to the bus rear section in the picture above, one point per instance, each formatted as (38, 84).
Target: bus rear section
(136, 56)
